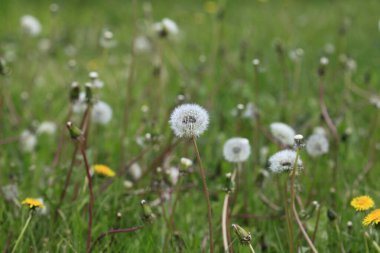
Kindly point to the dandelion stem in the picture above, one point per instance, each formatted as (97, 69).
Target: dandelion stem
(206, 193)
(91, 203)
(23, 231)
(251, 248)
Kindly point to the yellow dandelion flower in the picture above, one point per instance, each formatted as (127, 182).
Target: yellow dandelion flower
(362, 203)
(103, 170)
(32, 203)
(211, 7)
(372, 218)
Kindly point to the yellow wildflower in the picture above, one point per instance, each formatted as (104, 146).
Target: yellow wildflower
(372, 218)
(32, 203)
(362, 203)
(104, 170)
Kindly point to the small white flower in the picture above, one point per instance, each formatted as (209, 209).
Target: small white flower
(10, 192)
(317, 145)
(324, 61)
(284, 161)
(30, 25)
(236, 150)
(142, 44)
(106, 40)
(189, 120)
(186, 162)
(47, 127)
(166, 28)
(101, 113)
(283, 133)
(135, 171)
(28, 141)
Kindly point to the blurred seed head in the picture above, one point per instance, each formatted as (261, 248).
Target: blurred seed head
(236, 150)
(283, 161)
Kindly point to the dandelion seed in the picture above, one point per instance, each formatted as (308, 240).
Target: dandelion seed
(189, 120)
(28, 141)
(372, 218)
(30, 25)
(101, 113)
(103, 170)
(236, 150)
(317, 145)
(283, 133)
(284, 161)
(362, 203)
(95, 81)
(32, 203)
(47, 127)
(106, 39)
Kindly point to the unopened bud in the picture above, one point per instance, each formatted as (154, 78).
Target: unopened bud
(88, 92)
(147, 213)
(74, 92)
(243, 235)
(229, 183)
(75, 132)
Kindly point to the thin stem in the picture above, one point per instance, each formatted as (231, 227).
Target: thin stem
(90, 206)
(251, 248)
(23, 231)
(206, 193)
(316, 225)
(339, 237)
(114, 231)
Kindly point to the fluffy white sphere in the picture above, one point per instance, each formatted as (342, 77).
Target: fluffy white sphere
(236, 150)
(30, 25)
(283, 133)
(189, 120)
(317, 145)
(166, 27)
(101, 113)
(284, 161)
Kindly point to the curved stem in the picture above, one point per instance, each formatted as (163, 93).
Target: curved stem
(22, 232)
(114, 231)
(206, 193)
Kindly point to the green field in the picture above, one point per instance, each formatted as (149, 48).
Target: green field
(146, 74)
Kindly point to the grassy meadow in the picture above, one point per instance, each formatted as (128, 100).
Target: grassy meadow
(248, 63)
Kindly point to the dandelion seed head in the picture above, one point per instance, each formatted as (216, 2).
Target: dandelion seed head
(284, 161)
(317, 145)
(101, 113)
(283, 133)
(30, 25)
(236, 150)
(189, 120)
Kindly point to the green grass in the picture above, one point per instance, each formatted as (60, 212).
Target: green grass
(243, 30)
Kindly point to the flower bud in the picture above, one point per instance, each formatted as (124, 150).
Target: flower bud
(244, 236)
(229, 183)
(147, 213)
(74, 92)
(75, 132)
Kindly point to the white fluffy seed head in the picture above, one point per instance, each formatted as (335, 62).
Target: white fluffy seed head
(189, 120)
(236, 150)
(166, 28)
(317, 145)
(30, 25)
(283, 133)
(101, 113)
(284, 161)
